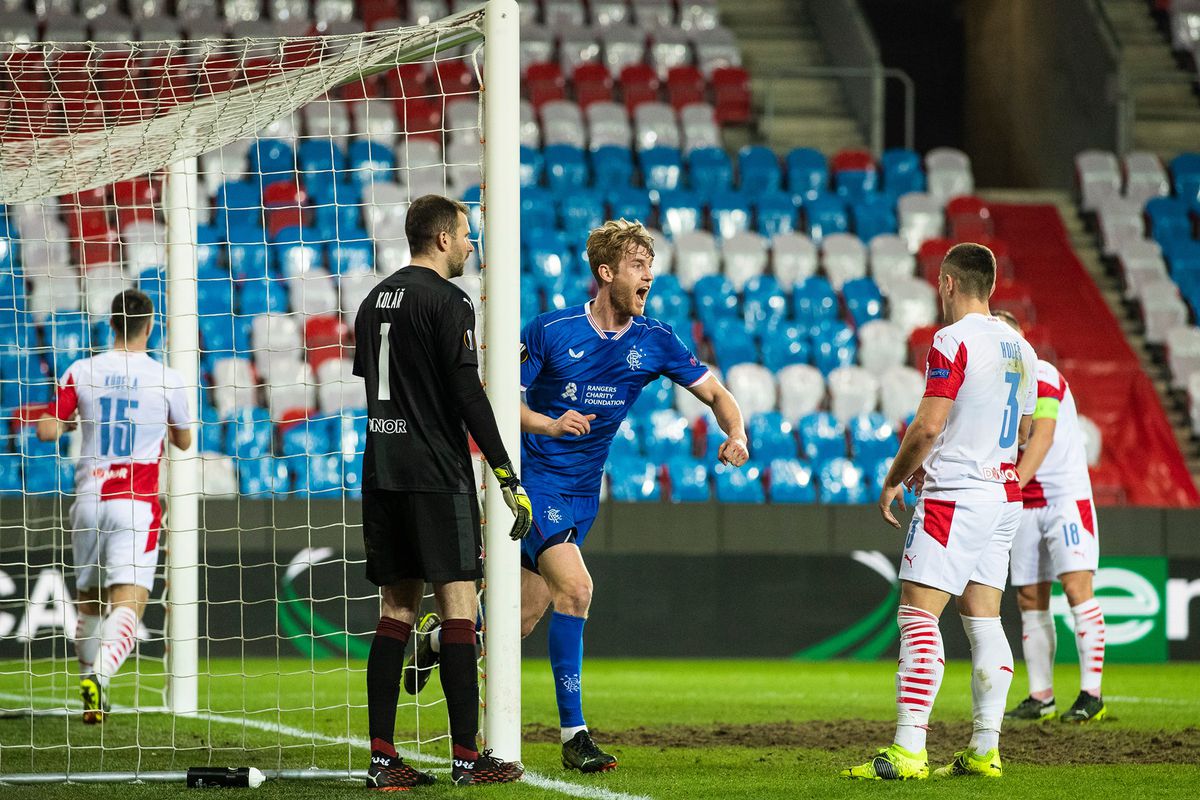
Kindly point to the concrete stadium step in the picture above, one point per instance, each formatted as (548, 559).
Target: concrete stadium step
(798, 95)
(825, 133)
(779, 54)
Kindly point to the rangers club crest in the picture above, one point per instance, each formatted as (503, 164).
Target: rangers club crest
(634, 358)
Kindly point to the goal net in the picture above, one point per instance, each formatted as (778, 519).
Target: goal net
(255, 189)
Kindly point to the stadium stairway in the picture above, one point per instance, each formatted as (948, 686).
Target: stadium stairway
(776, 35)
(1142, 446)
(1165, 107)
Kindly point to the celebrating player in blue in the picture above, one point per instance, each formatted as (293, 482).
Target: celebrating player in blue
(582, 369)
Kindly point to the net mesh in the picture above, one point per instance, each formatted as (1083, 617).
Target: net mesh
(310, 150)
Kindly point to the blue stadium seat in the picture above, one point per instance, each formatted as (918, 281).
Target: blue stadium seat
(310, 437)
(630, 203)
(551, 261)
(70, 339)
(833, 345)
(825, 214)
(732, 343)
(153, 281)
(667, 434)
(208, 253)
(324, 477)
(902, 171)
(248, 433)
(689, 480)
(791, 482)
(353, 252)
(224, 336)
(877, 476)
(854, 184)
(874, 215)
(771, 436)
(580, 211)
(842, 482)
(249, 260)
(612, 167)
(531, 302)
(808, 173)
(537, 211)
(370, 161)
(872, 438)
(863, 300)
(632, 479)
(814, 301)
(566, 168)
(24, 379)
(822, 437)
(709, 170)
(262, 296)
(758, 170)
(659, 394)
(262, 477)
(30, 446)
(785, 345)
(294, 250)
(212, 430)
(10, 474)
(730, 212)
(775, 213)
(715, 299)
(627, 441)
(351, 427)
(102, 335)
(337, 206)
(214, 292)
(764, 306)
(238, 204)
(320, 159)
(740, 484)
(1169, 219)
(275, 159)
(43, 476)
(573, 294)
(679, 211)
(532, 166)
(662, 168)
(1185, 176)
(669, 303)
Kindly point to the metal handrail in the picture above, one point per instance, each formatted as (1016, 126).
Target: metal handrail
(1122, 97)
(868, 73)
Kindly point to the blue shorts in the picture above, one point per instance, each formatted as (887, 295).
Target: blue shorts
(557, 518)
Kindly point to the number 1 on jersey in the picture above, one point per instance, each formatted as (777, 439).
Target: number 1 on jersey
(1012, 412)
(385, 350)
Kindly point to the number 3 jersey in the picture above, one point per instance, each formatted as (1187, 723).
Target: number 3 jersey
(125, 402)
(989, 372)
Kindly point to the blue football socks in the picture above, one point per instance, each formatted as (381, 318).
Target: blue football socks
(566, 662)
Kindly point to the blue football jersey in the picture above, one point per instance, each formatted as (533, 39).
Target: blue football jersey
(568, 362)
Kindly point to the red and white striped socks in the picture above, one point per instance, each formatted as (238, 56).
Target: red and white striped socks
(118, 635)
(991, 676)
(1089, 642)
(87, 641)
(1038, 644)
(918, 676)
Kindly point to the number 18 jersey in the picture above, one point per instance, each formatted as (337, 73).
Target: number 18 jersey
(989, 372)
(125, 402)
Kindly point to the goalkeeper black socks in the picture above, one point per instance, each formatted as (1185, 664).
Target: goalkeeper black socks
(460, 683)
(385, 663)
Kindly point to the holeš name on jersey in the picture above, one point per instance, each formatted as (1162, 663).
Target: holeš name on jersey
(375, 425)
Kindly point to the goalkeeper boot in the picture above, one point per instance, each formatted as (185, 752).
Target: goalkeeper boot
(893, 763)
(967, 764)
(420, 665)
(1032, 708)
(391, 774)
(485, 769)
(95, 700)
(1086, 708)
(581, 753)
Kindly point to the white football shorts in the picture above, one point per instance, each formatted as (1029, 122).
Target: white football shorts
(951, 543)
(114, 541)
(1057, 538)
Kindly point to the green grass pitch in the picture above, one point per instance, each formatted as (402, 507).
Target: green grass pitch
(681, 729)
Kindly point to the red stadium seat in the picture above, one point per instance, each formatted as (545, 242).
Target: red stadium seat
(220, 73)
(407, 80)
(374, 10)
(852, 161)
(170, 81)
(919, 342)
(324, 339)
(420, 117)
(593, 84)
(544, 83)
(101, 249)
(731, 95)
(1016, 299)
(929, 258)
(454, 77)
(287, 192)
(135, 200)
(1107, 487)
(1040, 339)
(968, 219)
(999, 248)
(285, 217)
(639, 84)
(685, 85)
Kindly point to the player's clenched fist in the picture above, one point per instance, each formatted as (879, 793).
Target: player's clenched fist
(516, 499)
(571, 423)
(733, 451)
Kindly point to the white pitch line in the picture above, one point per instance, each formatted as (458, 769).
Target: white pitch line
(1166, 701)
(532, 778)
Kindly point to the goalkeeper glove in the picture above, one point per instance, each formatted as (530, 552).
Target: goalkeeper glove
(516, 499)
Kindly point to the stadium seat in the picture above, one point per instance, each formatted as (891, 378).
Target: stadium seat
(881, 346)
(783, 346)
(662, 168)
(822, 437)
(1144, 178)
(669, 48)
(277, 340)
(566, 168)
(716, 48)
(689, 480)
(814, 301)
(562, 123)
(537, 211)
(745, 257)
(801, 390)
(709, 170)
(758, 170)
(833, 346)
(863, 300)
(247, 433)
(1183, 354)
(698, 126)
(695, 257)
(854, 174)
(739, 484)
(948, 173)
(685, 85)
(730, 215)
(873, 215)
(764, 305)
(1162, 309)
(968, 218)
(593, 84)
(261, 477)
(337, 387)
(1098, 176)
(791, 482)
(632, 480)
(608, 126)
(655, 126)
(775, 212)
(290, 389)
(905, 387)
(912, 303)
(69, 340)
(580, 212)
(889, 258)
(921, 219)
(1120, 221)
(844, 258)
(902, 171)
(680, 211)
(753, 386)
(659, 394)
(824, 215)
(731, 95)
(1141, 263)
(1185, 176)
(625, 47)
(634, 204)
(609, 12)
(1169, 219)
(807, 172)
(530, 128)
(872, 438)
(732, 344)
(639, 85)
(842, 482)
(667, 435)
(578, 44)
(793, 259)
(771, 436)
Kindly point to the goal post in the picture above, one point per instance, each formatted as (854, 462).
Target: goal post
(121, 165)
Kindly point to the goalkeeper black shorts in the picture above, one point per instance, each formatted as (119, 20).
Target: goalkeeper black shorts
(421, 535)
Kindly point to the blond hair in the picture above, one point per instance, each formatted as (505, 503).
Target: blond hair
(613, 239)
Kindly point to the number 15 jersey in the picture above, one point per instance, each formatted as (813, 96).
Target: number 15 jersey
(990, 373)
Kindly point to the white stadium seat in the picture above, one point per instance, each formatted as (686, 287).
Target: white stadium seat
(290, 388)
(900, 392)
(52, 293)
(100, 285)
(562, 123)
(337, 385)
(921, 218)
(144, 245)
(669, 48)
(1162, 310)
(912, 304)
(698, 123)
(881, 346)
(537, 45)
(277, 339)
(312, 293)
(385, 205)
(462, 119)
(655, 126)
(577, 44)
(890, 259)
(325, 117)
(654, 14)
(1099, 176)
(1092, 440)
(234, 385)
(695, 257)
(391, 255)
(558, 13)
(623, 45)
(844, 258)
(753, 386)
(607, 12)
(531, 131)
(217, 476)
(1141, 264)
(1120, 221)
(664, 252)
(1183, 354)
(226, 163)
(852, 391)
(801, 390)
(353, 288)
(793, 259)
(608, 124)
(715, 48)
(1145, 177)
(948, 173)
(745, 257)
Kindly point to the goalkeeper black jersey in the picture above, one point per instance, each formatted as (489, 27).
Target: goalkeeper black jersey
(414, 332)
